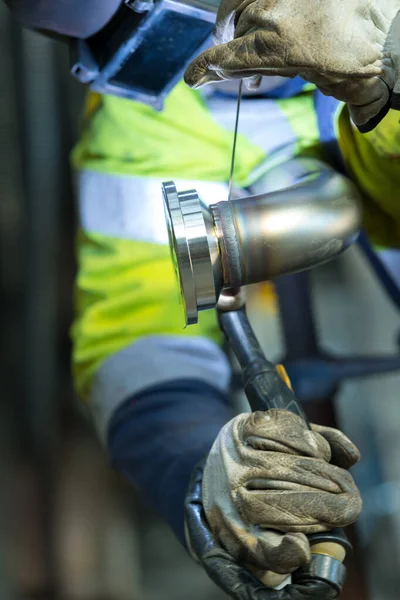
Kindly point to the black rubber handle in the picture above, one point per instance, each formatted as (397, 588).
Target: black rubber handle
(264, 387)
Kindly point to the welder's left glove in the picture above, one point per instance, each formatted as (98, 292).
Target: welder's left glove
(349, 49)
(268, 481)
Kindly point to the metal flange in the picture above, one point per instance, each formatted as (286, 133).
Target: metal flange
(193, 248)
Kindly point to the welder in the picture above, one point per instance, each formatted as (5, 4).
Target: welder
(159, 394)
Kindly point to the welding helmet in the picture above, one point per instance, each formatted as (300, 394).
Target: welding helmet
(137, 49)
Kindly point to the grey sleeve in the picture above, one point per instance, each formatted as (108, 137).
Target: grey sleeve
(74, 18)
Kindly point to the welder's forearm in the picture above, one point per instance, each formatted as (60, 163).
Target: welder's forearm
(75, 18)
(156, 438)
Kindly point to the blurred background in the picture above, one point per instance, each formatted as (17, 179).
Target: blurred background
(69, 527)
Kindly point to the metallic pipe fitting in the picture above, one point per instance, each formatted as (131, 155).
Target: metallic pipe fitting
(323, 568)
(256, 238)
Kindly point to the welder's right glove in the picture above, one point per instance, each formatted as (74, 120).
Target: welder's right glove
(268, 481)
(350, 49)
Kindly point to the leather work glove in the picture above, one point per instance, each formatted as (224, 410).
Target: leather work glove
(349, 49)
(268, 481)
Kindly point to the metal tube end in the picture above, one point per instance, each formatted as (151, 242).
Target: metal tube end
(257, 238)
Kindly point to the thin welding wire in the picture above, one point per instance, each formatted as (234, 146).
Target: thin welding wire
(234, 139)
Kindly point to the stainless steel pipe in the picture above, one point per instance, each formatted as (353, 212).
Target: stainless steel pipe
(256, 238)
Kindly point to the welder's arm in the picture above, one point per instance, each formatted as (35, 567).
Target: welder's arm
(74, 18)
(266, 483)
(350, 50)
(156, 438)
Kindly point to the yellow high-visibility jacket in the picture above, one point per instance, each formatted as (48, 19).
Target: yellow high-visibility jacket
(126, 294)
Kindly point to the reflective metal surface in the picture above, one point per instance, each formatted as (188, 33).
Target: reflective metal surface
(325, 568)
(292, 229)
(193, 249)
(256, 238)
